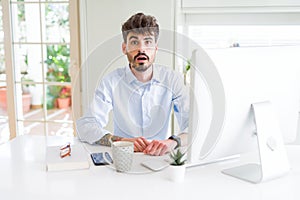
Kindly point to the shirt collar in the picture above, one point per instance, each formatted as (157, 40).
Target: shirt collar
(129, 75)
(156, 74)
(131, 78)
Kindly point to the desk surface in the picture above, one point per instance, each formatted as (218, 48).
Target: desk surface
(23, 176)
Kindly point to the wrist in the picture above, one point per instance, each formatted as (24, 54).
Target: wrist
(172, 144)
(176, 139)
(116, 138)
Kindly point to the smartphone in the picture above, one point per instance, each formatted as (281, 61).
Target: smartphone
(102, 158)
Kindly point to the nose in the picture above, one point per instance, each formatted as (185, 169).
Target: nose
(141, 47)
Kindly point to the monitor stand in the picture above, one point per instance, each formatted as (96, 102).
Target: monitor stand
(273, 158)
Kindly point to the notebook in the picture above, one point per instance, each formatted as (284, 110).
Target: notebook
(77, 160)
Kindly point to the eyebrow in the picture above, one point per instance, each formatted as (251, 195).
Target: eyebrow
(148, 38)
(133, 37)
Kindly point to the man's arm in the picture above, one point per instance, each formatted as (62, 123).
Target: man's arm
(107, 139)
(140, 143)
(161, 147)
(155, 148)
(181, 110)
(90, 127)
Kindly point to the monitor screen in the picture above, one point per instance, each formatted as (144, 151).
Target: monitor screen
(224, 84)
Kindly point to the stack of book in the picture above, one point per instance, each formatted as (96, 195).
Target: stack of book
(78, 158)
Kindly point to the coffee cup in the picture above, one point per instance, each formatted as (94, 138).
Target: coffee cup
(122, 152)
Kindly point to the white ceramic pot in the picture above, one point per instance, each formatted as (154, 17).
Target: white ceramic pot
(176, 173)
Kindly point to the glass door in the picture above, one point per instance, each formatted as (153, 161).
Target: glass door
(40, 67)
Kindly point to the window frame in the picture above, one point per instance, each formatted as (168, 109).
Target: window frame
(11, 82)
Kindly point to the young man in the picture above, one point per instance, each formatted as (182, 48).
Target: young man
(141, 96)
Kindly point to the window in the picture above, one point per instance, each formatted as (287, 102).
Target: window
(40, 67)
(222, 27)
(224, 36)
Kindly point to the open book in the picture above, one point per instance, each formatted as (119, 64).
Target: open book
(77, 160)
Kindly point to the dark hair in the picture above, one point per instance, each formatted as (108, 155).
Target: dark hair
(141, 24)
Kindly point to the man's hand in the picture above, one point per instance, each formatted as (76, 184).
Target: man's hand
(140, 143)
(160, 147)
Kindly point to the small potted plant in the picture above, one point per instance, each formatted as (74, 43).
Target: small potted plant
(26, 96)
(64, 99)
(177, 165)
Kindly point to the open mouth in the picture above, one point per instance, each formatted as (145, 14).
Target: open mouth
(141, 57)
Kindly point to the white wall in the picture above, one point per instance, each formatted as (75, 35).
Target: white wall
(104, 18)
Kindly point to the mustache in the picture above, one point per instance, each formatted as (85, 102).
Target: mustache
(141, 54)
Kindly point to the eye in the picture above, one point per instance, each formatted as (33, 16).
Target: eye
(134, 42)
(148, 42)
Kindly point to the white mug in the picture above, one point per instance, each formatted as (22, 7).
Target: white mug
(122, 152)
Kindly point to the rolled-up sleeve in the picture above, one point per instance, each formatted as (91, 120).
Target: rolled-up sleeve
(90, 127)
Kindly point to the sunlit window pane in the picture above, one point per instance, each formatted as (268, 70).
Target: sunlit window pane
(4, 130)
(59, 97)
(32, 128)
(4, 127)
(2, 65)
(61, 1)
(26, 22)
(61, 129)
(1, 25)
(28, 63)
(37, 1)
(3, 102)
(30, 101)
(57, 23)
(57, 62)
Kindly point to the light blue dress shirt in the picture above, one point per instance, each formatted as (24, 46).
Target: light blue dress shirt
(139, 109)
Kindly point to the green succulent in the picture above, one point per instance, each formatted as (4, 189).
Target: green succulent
(177, 157)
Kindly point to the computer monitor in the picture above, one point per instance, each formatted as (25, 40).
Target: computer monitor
(224, 84)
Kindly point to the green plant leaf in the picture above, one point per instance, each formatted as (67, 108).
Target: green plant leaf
(177, 157)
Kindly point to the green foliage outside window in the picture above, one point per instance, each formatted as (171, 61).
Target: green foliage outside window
(58, 61)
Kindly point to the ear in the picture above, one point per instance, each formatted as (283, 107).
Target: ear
(124, 48)
(156, 47)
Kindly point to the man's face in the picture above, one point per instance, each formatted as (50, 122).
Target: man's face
(140, 50)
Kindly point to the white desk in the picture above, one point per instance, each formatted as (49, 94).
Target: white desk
(23, 176)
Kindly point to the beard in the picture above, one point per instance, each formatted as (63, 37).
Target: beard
(140, 66)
